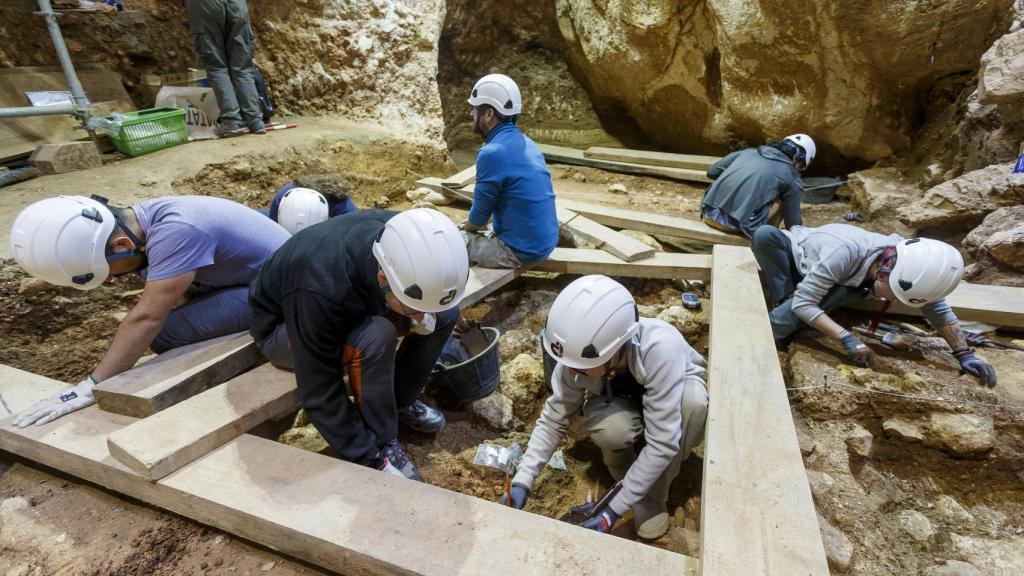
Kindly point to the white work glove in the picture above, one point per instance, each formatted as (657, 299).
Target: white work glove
(424, 327)
(65, 403)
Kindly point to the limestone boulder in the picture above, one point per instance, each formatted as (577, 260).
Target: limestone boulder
(953, 568)
(838, 548)
(904, 430)
(495, 410)
(522, 381)
(645, 238)
(879, 191)
(960, 434)
(1001, 76)
(1002, 219)
(691, 323)
(965, 201)
(916, 525)
(728, 71)
(952, 511)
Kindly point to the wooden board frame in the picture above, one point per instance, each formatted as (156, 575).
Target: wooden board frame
(573, 156)
(653, 223)
(615, 243)
(1001, 306)
(665, 265)
(667, 159)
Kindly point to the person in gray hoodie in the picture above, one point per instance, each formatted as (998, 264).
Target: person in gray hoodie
(758, 186)
(808, 272)
(632, 377)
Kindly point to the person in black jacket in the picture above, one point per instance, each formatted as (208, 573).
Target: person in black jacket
(338, 295)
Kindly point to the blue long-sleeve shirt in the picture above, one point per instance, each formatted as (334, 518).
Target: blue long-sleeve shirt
(514, 186)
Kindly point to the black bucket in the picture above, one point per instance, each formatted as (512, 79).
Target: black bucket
(475, 378)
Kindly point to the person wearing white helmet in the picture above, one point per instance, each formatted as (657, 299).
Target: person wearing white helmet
(316, 198)
(513, 186)
(633, 378)
(758, 186)
(197, 249)
(808, 272)
(336, 299)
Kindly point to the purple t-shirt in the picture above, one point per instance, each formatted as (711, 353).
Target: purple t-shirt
(226, 243)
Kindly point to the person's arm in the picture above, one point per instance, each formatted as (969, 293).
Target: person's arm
(941, 317)
(317, 338)
(142, 324)
(716, 169)
(552, 425)
(791, 204)
(809, 293)
(485, 193)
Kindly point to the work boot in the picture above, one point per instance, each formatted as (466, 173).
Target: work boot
(421, 418)
(399, 459)
(229, 129)
(257, 127)
(650, 519)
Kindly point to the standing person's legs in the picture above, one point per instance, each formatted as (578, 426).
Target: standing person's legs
(207, 19)
(217, 314)
(774, 254)
(239, 49)
(614, 427)
(489, 251)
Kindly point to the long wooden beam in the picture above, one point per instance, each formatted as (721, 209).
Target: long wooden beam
(615, 243)
(757, 516)
(661, 265)
(653, 223)
(462, 179)
(438, 185)
(485, 281)
(176, 375)
(1001, 306)
(563, 155)
(341, 516)
(164, 442)
(22, 389)
(667, 159)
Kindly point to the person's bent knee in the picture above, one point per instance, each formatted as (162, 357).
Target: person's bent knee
(765, 235)
(377, 338)
(614, 435)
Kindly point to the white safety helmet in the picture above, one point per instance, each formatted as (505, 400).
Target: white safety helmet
(589, 321)
(63, 241)
(500, 92)
(424, 258)
(301, 208)
(926, 271)
(807, 143)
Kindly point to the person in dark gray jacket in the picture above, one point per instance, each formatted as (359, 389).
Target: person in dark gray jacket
(222, 37)
(758, 186)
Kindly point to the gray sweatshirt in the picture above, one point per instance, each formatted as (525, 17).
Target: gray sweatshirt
(840, 255)
(662, 362)
(746, 183)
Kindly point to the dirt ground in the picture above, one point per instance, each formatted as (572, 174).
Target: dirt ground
(874, 498)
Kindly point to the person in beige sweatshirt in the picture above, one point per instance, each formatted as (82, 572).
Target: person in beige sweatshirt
(631, 377)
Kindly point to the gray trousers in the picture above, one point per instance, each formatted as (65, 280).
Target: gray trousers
(773, 251)
(489, 251)
(215, 314)
(223, 39)
(615, 427)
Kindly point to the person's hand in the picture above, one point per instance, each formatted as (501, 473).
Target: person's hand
(519, 495)
(602, 521)
(425, 326)
(66, 402)
(857, 351)
(462, 224)
(977, 367)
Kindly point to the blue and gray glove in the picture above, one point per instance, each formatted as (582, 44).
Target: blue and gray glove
(519, 494)
(602, 521)
(975, 366)
(857, 351)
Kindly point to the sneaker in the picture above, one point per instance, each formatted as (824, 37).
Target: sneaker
(257, 127)
(399, 459)
(650, 519)
(229, 129)
(421, 418)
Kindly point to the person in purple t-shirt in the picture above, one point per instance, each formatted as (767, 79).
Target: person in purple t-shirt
(197, 255)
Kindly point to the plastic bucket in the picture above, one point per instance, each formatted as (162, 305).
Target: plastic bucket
(475, 378)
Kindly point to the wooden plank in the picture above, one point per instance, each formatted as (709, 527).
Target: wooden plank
(462, 179)
(661, 265)
(164, 442)
(653, 223)
(485, 281)
(437, 185)
(340, 516)
(1001, 306)
(757, 516)
(563, 155)
(667, 159)
(176, 375)
(22, 389)
(615, 243)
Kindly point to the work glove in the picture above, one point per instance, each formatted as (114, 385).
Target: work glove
(519, 494)
(65, 403)
(425, 327)
(857, 351)
(977, 367)
(602, 521)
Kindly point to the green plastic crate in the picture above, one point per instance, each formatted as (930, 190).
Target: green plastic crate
(150, 130)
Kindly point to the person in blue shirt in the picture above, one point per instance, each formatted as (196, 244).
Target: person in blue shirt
(513, 185)
(332, 188)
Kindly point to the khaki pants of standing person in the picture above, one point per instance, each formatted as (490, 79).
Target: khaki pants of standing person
(615, 427)
(488, 251)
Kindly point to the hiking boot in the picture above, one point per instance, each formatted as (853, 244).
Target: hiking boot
(650, 519)
(421, 418)
(229, 129)
(399, 459)
(257, 127)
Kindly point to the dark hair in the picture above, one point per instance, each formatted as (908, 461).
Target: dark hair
(501, 117)
(793, 151)
(333, 186)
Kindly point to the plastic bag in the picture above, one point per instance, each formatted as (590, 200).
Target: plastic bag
(499, 457)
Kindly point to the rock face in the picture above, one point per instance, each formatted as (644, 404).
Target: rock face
(727, 71)
(960, 434)
(522, 381)
(838, 548)
(903, 430)
(999, 237)
(966, 200)
(878, 191)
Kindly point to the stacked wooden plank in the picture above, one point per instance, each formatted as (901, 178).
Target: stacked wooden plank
(573, 156)
(1001, 306)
